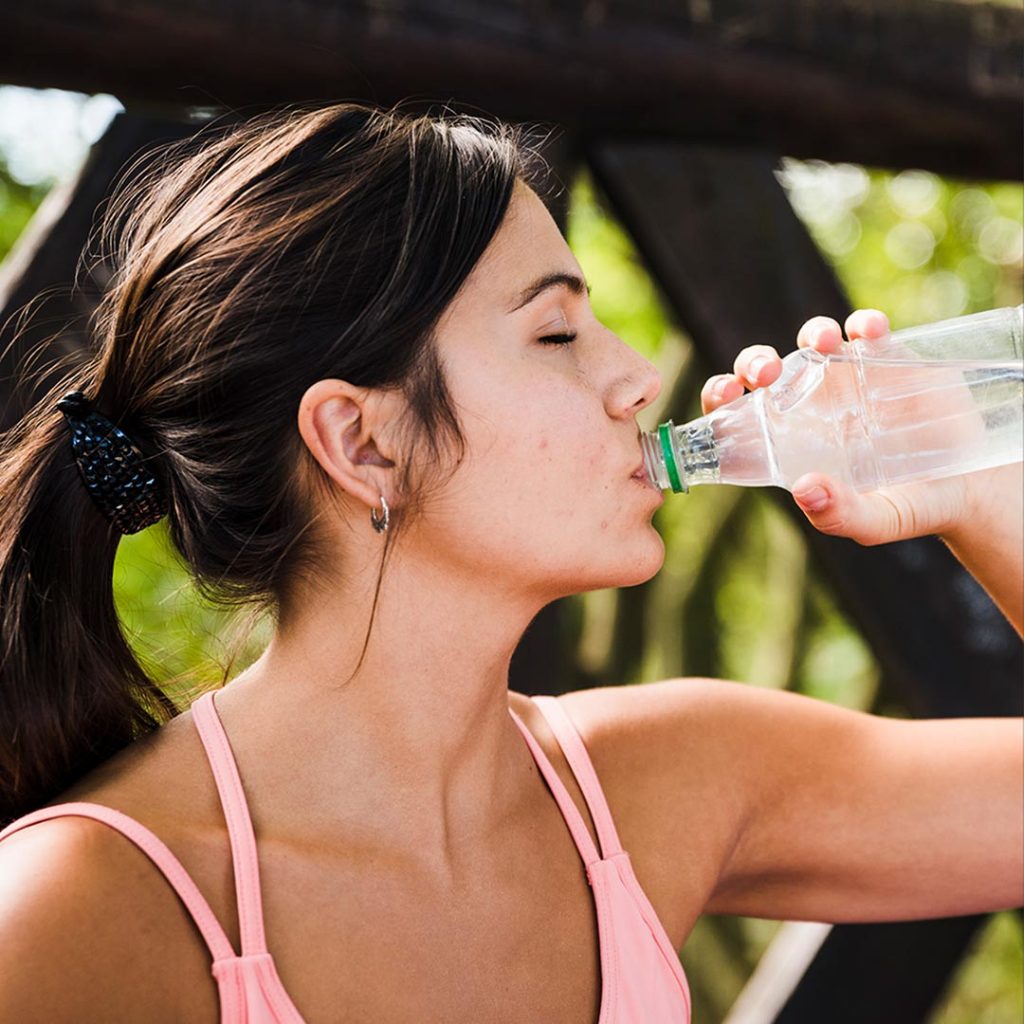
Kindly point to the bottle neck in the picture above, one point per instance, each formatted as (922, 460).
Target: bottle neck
(677, 457)
(696, 452)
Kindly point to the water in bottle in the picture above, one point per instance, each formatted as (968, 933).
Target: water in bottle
(921, 403)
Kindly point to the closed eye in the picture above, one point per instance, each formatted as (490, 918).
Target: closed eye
(557, 339)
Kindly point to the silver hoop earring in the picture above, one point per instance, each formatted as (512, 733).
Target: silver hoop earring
(380, 523)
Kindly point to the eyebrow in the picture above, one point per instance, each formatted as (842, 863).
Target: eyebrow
(573, 282)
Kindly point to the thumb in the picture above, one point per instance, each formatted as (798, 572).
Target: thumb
(834, 508)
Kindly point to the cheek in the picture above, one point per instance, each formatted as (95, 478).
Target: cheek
(541, 429)
(544, 509)
(563, 462)
(554, 492)
(543, 463)
(526, 474)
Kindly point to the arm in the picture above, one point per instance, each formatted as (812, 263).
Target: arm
(988, 543)
(811, 811)
(858, 818)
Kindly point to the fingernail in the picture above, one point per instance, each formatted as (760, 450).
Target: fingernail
(757, 366)
(813, 500)
(718, 391)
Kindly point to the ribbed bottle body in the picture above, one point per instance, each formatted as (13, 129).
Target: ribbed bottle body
(924, 403)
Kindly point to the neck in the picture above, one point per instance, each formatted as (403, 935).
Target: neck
(417, 753)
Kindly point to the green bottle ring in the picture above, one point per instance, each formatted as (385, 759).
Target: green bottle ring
(664, 434)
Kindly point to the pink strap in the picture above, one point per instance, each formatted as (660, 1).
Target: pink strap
(157, 852)
(573, 818)
(236, 813)
(576, 754)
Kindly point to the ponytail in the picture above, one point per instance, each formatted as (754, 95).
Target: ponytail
(71, 690)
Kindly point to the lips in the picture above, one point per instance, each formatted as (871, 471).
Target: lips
(641, 477)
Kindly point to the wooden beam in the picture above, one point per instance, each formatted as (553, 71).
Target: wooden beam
(737, 266)
(922, 83)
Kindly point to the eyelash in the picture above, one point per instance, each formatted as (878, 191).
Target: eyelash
(558, 339)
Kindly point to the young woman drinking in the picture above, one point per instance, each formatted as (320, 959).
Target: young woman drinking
(349, 356)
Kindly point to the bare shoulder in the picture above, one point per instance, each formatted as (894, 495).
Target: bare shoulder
(694, 727)
(66, 947)
(88, 922)
(669, 773)
(704, 759)
(666, 744)
(633, 732)
(704, 741)
(647, 731)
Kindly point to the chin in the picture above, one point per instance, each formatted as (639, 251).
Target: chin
(635, 579)
(634, 565)
(645, 565)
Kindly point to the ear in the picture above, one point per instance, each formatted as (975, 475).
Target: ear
(342, 426)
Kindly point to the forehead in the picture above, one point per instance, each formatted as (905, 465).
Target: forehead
(526, 244)
(527, 225)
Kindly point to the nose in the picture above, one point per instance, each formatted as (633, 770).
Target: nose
(637, 383)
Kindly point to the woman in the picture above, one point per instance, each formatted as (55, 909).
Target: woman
(431, 846)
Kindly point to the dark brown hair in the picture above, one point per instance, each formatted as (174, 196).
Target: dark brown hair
(248, 262)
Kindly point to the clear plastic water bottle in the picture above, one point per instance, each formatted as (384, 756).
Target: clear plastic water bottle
(921, 403)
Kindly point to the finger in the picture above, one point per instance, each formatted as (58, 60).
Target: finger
(867, 323)
(834, 508)
(758, 365)
(718, 390)
(821, 333)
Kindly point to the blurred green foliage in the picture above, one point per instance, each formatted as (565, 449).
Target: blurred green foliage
(738, 597)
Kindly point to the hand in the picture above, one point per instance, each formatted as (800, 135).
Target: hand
(890, 513)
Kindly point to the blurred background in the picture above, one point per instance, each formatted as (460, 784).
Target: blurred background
(739, 597)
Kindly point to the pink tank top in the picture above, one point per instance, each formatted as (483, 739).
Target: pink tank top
(641, 976)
